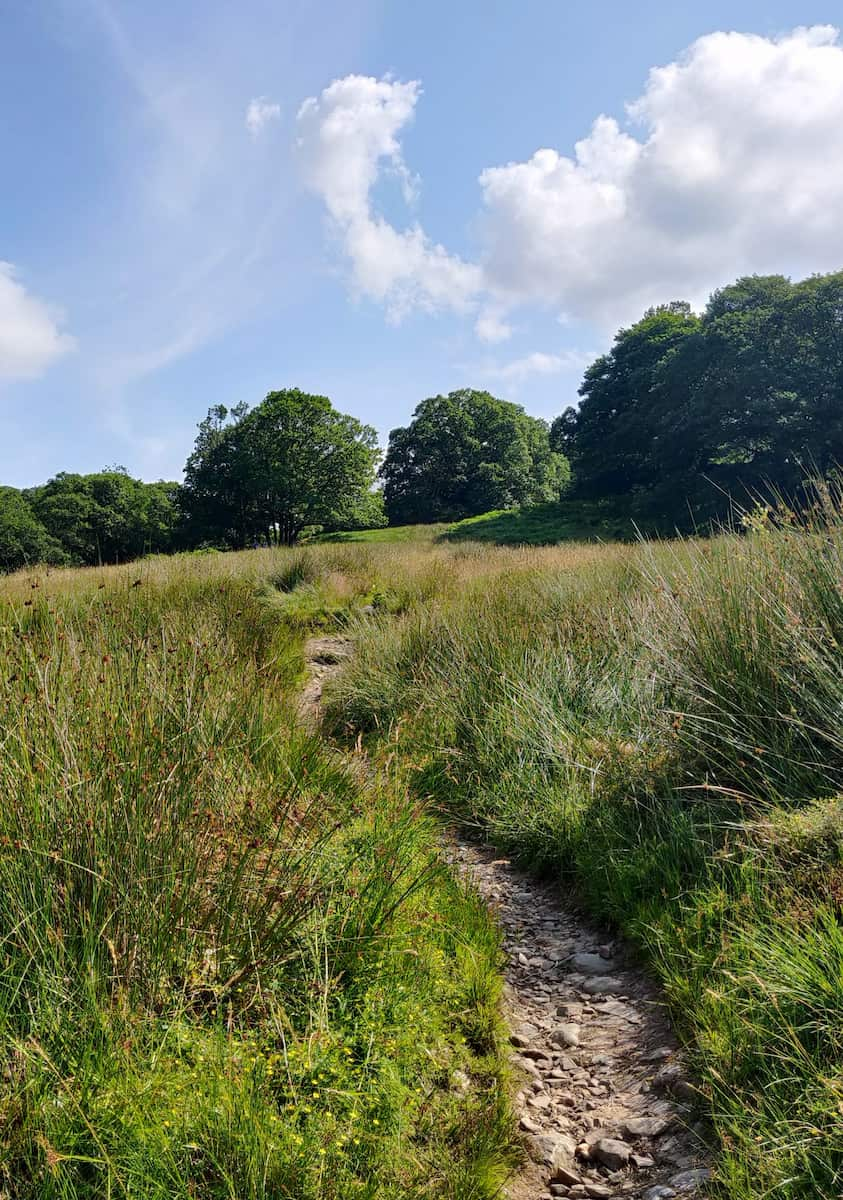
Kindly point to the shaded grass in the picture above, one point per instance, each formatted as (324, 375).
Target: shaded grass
(546, 525)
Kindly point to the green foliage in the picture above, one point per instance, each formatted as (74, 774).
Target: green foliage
(106, 517)
(612, 435)
(270, 472)
(467, 453)
(687, 415)
(23, 539)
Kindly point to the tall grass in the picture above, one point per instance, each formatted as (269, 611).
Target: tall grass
(231, 963)
(661, 726)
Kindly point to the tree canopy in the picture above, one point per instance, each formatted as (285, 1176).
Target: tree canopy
(23, 539)
(466, 453)
(106, 517)
(269, 472)
(687, 412)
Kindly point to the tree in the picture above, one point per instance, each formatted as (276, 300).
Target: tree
(687, 414)
(107, 516)
(269, 472)
(466, 453)
(611, 438)
(23, 539)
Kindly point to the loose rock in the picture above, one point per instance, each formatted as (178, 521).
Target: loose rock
(611, 1152)
(584, 1055)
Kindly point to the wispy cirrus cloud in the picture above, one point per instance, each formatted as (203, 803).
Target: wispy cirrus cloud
(260, 113)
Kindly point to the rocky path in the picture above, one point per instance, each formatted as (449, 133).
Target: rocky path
(604, 1103)
(323, 657)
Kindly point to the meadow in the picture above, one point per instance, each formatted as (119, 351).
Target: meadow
(233, 963)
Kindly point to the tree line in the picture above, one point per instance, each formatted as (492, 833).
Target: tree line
(265, 475)
(688, 413)
(684, 414)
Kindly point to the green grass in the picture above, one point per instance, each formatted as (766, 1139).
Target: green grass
(536, 525)
(231, 961)
(389, 534)
(659, 728)
(545, 525)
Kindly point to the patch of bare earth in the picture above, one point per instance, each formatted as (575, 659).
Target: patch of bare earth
(323, 657)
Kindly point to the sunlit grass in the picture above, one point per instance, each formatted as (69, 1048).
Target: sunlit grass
(652, 723)
(231, 963)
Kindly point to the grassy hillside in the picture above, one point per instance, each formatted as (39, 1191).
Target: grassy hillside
(231, 963)
(659, 728)
(538, 525)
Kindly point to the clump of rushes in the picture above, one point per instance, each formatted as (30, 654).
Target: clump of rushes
(230, 965)
(660, 726)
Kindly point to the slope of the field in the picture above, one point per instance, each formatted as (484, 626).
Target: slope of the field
(536, 525)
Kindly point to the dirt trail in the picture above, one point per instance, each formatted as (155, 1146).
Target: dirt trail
(604, 1103)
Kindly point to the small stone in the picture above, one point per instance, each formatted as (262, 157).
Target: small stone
(559, 1189)
(529, 1125)
(460, 1082)
(605, 985)
(598, 1191)
(659, 1192)
(641, 1162)
(645, 1127)
(555, 1150)
(689, 1181)
(606, 950)
(657, 1055)
(611, 1152)
(666, 1079)
(592, 964)
(566, 1035)
(567, 1176)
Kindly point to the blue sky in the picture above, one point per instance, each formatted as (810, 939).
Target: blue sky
(379, 202)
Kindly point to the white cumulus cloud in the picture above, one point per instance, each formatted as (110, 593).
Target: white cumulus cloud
(730, 161)
(259, 113)
(736, 166)
(348, 136)
(30, 335)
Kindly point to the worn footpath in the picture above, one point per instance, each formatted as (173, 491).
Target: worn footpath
(604, 1102)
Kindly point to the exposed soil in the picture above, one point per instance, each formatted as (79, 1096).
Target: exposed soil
(604, 1102)
(323, 657)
